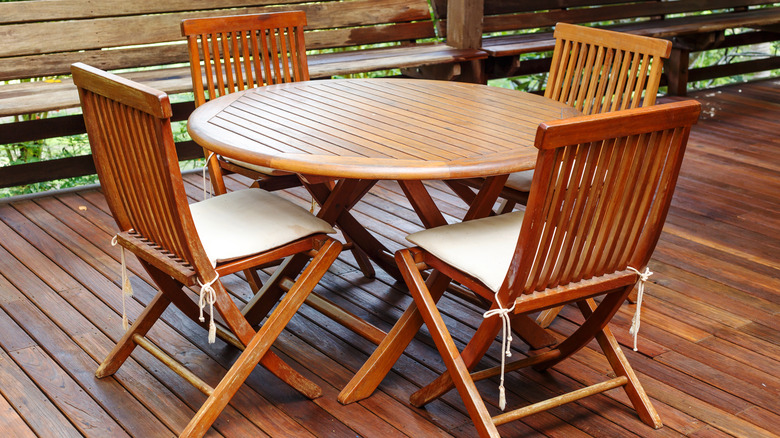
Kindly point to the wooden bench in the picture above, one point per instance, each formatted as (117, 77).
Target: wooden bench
(42, 38)
(514, 28)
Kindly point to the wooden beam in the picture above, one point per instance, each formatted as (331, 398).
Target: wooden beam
(71, 167)
(464, 23)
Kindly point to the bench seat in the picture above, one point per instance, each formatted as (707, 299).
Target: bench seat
(512, 45)
(41, 96)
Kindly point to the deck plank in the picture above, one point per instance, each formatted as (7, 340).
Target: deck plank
(709, 348)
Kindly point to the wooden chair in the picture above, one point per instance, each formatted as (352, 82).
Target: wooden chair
(229, 54)
(595, 71)
(575, 241)
(181, 245)
(234, 53)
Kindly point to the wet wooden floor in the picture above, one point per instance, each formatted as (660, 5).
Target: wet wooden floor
(709, 348)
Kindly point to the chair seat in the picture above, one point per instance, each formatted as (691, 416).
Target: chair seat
(520, 181)
(246, 222)
(482, 248)
(259, 169)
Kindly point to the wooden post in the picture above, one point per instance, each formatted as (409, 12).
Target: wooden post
(677, 72)
(464, 31)
(464, 23)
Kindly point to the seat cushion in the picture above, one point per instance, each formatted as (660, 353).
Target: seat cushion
(250, 221)
(482, 248)
(520, 181)
(259, 169)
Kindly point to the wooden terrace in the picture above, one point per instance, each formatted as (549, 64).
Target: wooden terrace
(709, 349)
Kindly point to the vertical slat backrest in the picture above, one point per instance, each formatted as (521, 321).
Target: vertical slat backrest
(601, 190)
(130, 135)
(245, 51)
(598, 71)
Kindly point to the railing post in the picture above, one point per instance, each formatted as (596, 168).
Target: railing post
(464, 31)
(464, 23)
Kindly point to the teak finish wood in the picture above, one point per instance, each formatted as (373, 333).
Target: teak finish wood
(132, 144)
(577, 241)
(378, 128)
(234, 53)
(707, 345)
(596, 71)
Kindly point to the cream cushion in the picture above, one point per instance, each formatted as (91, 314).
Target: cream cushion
(259, 169)
(250, 221)
(520, 181)
(482, 248)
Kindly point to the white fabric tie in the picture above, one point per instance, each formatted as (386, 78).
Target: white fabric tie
(127, 288)
(643, 277)
(506, 341)
(208, 295)
(205, 168)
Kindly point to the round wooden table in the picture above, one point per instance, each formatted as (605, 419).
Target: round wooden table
(359, 131)
(402, 129)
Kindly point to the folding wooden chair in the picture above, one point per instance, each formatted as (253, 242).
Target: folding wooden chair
(234, 53)
(600, 194)
(181, 245)
(595, 71)
(229, 54)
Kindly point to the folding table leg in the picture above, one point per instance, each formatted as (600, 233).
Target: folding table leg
(371, 374)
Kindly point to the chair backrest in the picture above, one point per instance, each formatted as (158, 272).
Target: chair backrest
(132, 145)
(601, 190)
(245, 51)
(598, 71)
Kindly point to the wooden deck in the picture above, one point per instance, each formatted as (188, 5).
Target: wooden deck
(709, 344)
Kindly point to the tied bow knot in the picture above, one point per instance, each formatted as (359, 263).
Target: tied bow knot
(208, 296)
(643, 277)
(506, 341)
(127, 288)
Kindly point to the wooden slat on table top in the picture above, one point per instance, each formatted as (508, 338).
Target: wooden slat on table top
(709, 346)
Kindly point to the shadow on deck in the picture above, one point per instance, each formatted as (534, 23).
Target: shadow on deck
(709, 346)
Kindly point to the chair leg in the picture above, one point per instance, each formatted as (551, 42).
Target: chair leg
(215, 174)
(452, 359)
(471, 355)
(506, 206)
(263, 301)
(547, 316)
(476, 349)
(262, 341)
(588, 330)
(531, 333)
(125, 346)
(364, 263)
(371, 374)
(617, 360)
(255, 283)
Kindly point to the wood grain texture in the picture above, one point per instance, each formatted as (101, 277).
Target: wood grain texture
(377, 129)
(64, 239)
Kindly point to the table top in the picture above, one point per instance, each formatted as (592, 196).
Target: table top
(404, 129)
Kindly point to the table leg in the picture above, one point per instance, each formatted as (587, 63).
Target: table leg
(336, 203)
(482, 205)
(423, 204)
